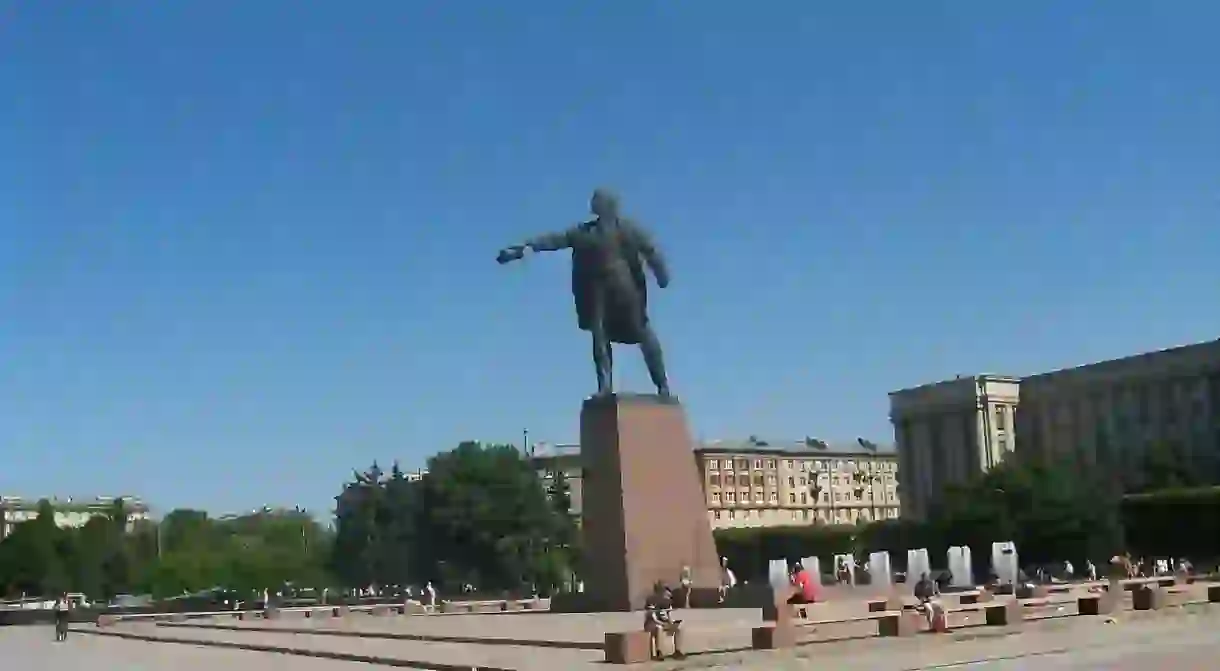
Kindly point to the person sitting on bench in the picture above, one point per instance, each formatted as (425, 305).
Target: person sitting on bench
(926, 591)
(659, 622)
(806, 587)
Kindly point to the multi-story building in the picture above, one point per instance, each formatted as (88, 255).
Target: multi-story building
(774, 483)
(757, 482)
(69, 513)
(948, 432)
(1110, 415)
(563, 459)
(1105, 415)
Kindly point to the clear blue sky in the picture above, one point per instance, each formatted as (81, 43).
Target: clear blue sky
(246, 247)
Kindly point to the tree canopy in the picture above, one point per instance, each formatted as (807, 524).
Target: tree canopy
(481, 516)
(186, 552)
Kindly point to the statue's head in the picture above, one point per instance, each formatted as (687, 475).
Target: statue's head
(604, 204)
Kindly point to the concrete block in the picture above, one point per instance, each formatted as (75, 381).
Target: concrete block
(1148, 598)
(1096, 604)
(1003, 613)
(882, 605)
(107, 620)
(1032, 592)
(773, 637)
(627, 647)
(904, 624)
(778, 609)
(272, 614)
(1213, 593)
(982, 596)
(1167, 582)
(339, 611)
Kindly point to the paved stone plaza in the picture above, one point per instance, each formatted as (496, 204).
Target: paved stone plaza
(1183, 637)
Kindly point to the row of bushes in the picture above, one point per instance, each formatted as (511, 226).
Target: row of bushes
(1174, 522)
(1177, 523)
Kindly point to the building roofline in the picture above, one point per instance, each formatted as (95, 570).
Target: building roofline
(804, 448)
(983, 377)
(1125, 360)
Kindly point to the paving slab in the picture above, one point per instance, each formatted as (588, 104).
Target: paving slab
(32, 648)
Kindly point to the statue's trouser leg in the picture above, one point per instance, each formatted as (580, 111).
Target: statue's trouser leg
(602, 356)
(654, 359)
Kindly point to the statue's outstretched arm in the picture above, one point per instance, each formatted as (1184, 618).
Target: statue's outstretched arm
(652, 255)
(548, 242)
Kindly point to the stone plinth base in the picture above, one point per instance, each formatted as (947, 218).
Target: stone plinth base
(645, 512)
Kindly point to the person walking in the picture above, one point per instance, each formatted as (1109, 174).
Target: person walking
(62, 609)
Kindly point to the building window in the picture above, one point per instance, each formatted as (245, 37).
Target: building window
(792, 498)
(804, 498)
(758, 463)
(774, 497)
(712, 479)
(716, 497)
(716, 514)
(788, 464)
(741, 464)
(804, 482)
(730, 496)
(791, 482)
(771, 480)
(805, 513)
(758, 497)
(732, 514)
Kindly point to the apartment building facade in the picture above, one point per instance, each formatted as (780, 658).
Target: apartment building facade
(756, 482)
(69, 512)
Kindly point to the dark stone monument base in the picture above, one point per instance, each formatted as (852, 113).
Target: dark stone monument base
(645, 512)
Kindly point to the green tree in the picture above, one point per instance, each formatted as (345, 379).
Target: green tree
(31, 556)
(1166, 465)
(359, 511)
(489, 519)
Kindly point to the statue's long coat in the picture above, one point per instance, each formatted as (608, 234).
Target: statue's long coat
(608, 266)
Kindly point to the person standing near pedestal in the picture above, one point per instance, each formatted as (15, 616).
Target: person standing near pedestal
(727, 580)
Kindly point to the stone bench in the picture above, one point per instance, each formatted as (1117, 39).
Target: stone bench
(980, 596)
(1148, 597)
(885, 605)
(107, 620)
(783, 634)
(1213, 593)
(627, 647)
(1103, 603)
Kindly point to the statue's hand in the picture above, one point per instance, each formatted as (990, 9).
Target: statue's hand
(663, 281)
(510, 254)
